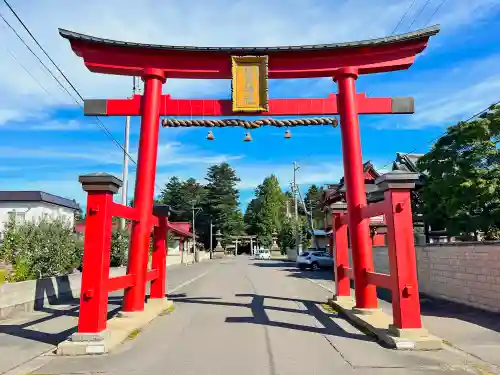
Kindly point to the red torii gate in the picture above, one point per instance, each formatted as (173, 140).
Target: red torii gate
(344, 62)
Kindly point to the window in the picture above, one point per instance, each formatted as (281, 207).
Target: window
(19, 217)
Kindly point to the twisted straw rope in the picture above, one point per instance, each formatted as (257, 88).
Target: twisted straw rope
(174, 123)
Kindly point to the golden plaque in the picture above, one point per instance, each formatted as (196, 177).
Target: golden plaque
(249, 83)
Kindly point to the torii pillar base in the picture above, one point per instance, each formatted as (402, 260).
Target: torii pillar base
(119, 328)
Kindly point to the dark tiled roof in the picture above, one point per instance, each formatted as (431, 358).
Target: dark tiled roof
(406, 162)
(427, 32)
(37, 196)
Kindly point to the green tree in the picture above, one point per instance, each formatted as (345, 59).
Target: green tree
(312, 201)
(251, 216)
(172, 194)
(462, 177)
(286, 237)
(221, 201)
(272, 202)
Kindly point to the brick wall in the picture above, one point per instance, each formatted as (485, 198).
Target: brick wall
(467, 273)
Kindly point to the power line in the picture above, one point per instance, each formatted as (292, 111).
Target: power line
(435, 12)
(27, 71)
(43, 50)
(99, 122)
(404, 16)
(481, 112)
(436, 138)
(426, 23)
(34, 54)
(418, 14)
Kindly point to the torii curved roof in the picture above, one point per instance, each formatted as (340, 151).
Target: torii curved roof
(319, 60)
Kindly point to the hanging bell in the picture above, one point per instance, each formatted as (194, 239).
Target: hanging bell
(288, 134)
(248, 137)
(210, 136)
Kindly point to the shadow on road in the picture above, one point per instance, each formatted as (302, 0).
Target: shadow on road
(430, 306)
(53, 319)
(259, 314)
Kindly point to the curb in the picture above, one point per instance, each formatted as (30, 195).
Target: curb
(379, 324)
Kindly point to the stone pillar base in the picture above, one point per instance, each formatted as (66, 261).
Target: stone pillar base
(345, 300)
(380, 325)
(217, 254)
(361, 311)
(407, 333)
(124, 326)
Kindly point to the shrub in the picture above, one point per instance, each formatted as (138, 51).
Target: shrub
(43, 249)
(119, 247)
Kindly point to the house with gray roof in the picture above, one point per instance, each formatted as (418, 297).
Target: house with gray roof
(23, 206)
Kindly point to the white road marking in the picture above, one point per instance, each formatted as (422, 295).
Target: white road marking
(188, 282)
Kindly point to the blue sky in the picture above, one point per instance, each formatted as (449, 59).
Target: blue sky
(45, 142)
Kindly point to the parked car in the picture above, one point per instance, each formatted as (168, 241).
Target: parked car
(314, 260)
(263, 254)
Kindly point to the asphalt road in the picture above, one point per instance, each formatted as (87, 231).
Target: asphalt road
(253, 317)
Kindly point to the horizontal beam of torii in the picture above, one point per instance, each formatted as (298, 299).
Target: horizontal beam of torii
(223, 107)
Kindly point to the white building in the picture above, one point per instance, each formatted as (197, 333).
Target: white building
(24, 206)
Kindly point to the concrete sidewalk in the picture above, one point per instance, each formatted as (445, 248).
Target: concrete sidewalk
(29, 335)
(468, 329)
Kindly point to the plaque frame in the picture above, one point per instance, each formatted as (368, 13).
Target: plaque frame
(262, 63)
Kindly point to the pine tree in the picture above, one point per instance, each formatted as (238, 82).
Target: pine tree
(222, 199)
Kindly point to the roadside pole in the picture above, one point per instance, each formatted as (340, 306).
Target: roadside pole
(125, 161)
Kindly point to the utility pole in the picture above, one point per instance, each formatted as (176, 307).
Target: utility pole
(298, 245)
(211, 241)
(125, 160)
(194, 235)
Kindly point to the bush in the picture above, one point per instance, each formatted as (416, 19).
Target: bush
(119, 247)
(43, 249)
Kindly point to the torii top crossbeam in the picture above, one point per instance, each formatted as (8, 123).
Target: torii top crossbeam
(323, 60)
(306, 61)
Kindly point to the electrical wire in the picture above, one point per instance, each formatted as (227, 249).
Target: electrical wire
(419, 13)
(435, 139)
(404, 16)
(28, 72)
(38, 58)
(99, 122)
(435, 11)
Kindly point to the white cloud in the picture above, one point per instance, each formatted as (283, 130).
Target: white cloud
(193, 22)
(175, 153)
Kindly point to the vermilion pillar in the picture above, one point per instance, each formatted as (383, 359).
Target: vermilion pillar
(144, 188)
(96, 251)
(401, 248)
(159, 259)
(356, 195)
(341, 256)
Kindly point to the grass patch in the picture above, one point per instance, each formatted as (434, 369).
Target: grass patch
(3, 276)
(482, 370)
(168, 311)
(329, 309)
(132, 335)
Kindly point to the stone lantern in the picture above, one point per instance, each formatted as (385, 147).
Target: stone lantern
(275, 250)
(219, 250)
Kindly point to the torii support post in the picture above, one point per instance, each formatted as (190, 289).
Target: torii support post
(134, 297)
(397, 189)
(359, 231)
(159, 257)
(96, 257)
(340, 252)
